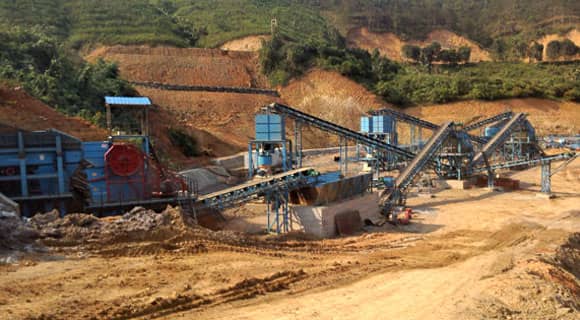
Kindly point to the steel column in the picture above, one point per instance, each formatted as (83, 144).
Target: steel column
(546, 177)
(250, 160)
(298, 142)
(22, 163)
(59, 164)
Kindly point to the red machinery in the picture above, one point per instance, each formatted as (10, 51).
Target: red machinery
(131, 174)
(125, 160)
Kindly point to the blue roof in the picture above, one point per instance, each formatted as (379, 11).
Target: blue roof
(128, 101)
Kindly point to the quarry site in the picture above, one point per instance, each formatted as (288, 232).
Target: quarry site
(313, 199)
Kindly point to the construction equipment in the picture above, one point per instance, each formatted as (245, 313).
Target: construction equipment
(414, 121)
(396, 196)
(484, 122)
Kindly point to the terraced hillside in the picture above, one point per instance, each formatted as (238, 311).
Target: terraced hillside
(210, 23)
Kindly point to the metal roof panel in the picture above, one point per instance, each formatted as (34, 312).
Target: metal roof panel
(128, 101)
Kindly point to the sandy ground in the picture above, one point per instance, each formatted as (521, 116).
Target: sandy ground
(471, 254)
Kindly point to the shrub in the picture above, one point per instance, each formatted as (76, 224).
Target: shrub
(187, 144)
(553, 49)
(411, 52)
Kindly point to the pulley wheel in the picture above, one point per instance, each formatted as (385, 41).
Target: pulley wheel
(124, 159)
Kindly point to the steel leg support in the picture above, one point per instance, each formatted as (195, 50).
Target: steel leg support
(546, 177)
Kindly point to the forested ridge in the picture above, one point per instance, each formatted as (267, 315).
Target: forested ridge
(42, 41)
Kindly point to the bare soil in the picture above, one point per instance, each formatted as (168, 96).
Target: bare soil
(20, 110)
(468, 254)
(189, 67)
(547, 116)
(573, 35)
(249, 43)
(390, 45)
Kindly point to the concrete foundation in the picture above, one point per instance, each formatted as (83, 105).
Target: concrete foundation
(542, 195)
(320, 220)
(457, 184)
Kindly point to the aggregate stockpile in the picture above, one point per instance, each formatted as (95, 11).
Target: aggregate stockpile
(50, 229)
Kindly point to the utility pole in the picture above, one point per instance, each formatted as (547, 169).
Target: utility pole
(273, 26)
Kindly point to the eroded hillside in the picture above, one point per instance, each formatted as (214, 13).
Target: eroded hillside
(390, 45)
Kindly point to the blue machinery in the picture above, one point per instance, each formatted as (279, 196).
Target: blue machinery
(450, 150)
(396, 195)
(36, 167)
(39, 169)
(275, 189)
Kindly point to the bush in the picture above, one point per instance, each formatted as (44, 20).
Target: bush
(186, 143)
(553, 49)
(568, 48)
(411, 52)
(404, 84)
(536, 51)
(51, 74)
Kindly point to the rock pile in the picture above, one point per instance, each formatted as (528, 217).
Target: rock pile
(14, 233)
(50, 229)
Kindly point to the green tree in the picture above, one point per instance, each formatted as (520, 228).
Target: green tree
(568, 48)
(411, 52)
(464, 54)
(448, 56)
(536, 51)
(553, 49)
(499, 49)
(519, 49)
(430, 53)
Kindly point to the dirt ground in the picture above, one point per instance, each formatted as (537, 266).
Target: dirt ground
(390, 45)
(573, 35)
(18, 109)
(469, 254)
(547, 116)
(249, 43)
(189, 67)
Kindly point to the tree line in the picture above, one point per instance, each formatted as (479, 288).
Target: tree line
(565, 48)
(434, 53)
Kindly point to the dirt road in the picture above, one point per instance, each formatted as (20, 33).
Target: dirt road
(472, 254)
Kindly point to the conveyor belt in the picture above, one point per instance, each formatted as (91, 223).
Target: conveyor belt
(498, 138)
(406, 118)
(174, 87)
(391, 197)
(419, 122)
(424, 156)
(341, 131)
(533, 162)
(479, 124)
(244, 192)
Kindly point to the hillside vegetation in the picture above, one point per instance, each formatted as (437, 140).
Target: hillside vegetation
(41, 40)
(40, 64)
(495, 24)
(424, 82)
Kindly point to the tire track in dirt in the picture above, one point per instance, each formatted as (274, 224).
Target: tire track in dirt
(245, 289)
